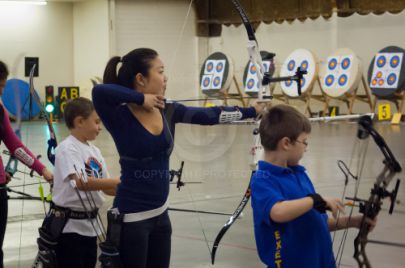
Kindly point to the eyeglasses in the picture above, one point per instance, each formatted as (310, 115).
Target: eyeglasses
(303, 142)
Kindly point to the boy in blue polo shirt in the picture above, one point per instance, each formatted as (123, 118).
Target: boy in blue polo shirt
(291, 226)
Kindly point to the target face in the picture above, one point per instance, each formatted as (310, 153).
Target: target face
(253, 84)
(299, 58)
(386, 70)
(291, 65)
(251, 81)
(250, 84)
(216, 73)
(332, 64)
(342, 80)
(329, 80)
(346, 63)
(209, 66)
(340, 74)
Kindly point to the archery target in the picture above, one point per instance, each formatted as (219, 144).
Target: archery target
(15, 99)
(251, 82)
(307, 61)
(386, 73)
(216, 74)
(341, 74)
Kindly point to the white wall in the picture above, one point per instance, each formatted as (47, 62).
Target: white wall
(90, 42)
(39, 31)
(158, 24)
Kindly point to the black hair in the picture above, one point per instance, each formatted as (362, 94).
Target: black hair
(3, 76)
(3, 71)
(136, 61)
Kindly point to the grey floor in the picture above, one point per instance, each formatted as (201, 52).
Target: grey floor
(218, 157)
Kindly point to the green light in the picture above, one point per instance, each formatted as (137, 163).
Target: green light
(49, 108)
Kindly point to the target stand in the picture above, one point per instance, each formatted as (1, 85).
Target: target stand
(341, 78)
(216, 78)
(386, 77)
(307, 61)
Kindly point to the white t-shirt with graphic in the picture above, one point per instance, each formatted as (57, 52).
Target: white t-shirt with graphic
(86, 158)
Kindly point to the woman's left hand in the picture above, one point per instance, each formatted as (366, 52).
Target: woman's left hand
(48, 176)
(261, 106)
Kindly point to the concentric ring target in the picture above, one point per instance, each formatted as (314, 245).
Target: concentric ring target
(216, 74)
(341, 74)
(250, 73)
(329, 80)
(220, 66)
(346, 63)
(210, 66)
(381, 61)
(386, 72)
(304, 65)
(251, 83)
(253, 69)
(342, 80)
(392, 78)
(207, 81)
(394, 62)
(288, 83)
(332, 64)
(217, 81)
(291, 65)
(307, 61)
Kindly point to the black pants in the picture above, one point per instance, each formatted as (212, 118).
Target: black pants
(146, 244)
(76, 251)
(3, 219)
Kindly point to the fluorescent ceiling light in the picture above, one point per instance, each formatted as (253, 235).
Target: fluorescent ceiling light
(25, 2)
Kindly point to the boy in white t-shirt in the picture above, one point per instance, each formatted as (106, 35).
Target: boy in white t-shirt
(80, 176)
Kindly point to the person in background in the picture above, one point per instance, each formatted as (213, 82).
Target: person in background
(18, 150)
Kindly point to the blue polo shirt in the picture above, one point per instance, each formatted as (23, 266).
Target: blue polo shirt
(302, 242)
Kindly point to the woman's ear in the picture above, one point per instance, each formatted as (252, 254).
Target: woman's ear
(140, 79)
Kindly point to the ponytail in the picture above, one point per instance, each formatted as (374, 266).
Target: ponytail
(136, 61)
(110, 72)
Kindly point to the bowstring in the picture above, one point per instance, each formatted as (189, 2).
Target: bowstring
(361, 148)
(171, 64)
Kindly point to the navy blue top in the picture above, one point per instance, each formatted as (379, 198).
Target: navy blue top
(144, 157)
(302, 242)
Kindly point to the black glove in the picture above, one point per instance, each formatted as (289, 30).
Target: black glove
(319, 203)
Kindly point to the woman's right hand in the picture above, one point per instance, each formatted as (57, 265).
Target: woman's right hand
(153, 101)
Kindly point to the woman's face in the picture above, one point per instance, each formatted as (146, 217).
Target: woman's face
(155, 82)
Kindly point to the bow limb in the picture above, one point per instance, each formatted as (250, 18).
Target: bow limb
(245, 198)
(52, 142)
(372, 206)
(231, 220)
(254, 52)
(263, 78)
